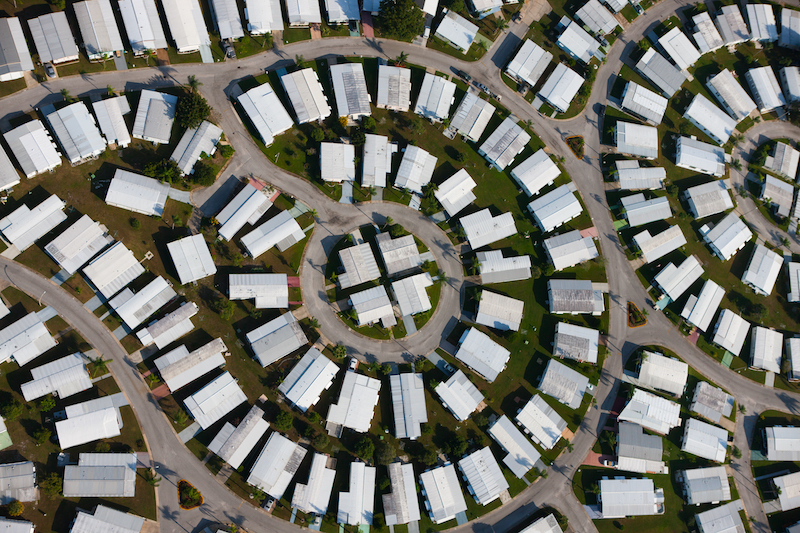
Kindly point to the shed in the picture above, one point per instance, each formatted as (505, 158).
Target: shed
(313, 497)
(569, 249)
(356, 404)
(142, 25)
(536, 172)
(499, 312)
(18, 482)
(270, 291)
(311, 375)
(563, 383)
(155, 115)
(101, 37)
(356, 505)
(764, 86)
(373, 305)
(709, 198)
(394, 88)
(705, 33)
(576, 342)
(399, 255)
(24, 226)
(731, 25)
(541, 422)
(675, 280)
(303, 87)
(172, 327)
(710, 119)
(137, 193)
(401, 505)
(76, 131)
(636, 140)
(459, 395)
(529, 63)
(599, 19)
(303, 13)
(25, 340)
(337, 162)
(663, 373)
(731, 95)
(263, 16)
(247, 207)
(215, 400)
(109, 113)
(15, 59)
(556, 208)
(281, 231)
(101, 475)
(779, 194)
(762, 22)
(472, 116)
(577, 43)
(359, 265)
(651, 411)
(482, 228)
(654, 247)
(436, 96)
(494, 268)
(521, 456)
(377, 162)
(192, 258)
(620, 497)
(763, 269)
(790, 29)
(194, 143)
(643, 103)
(276, 339)
(63, 377)
(640, 211)
(727, 237)
(349, 84)
(485, 480)
(411, 294)
(782, 443)
(561, 87)
(178, 368)
(107, 519)
(661, 73)
(574, 297)
(456, 30)
(711, 402)
(679, 48)
(455, 193)
(481, 354)
(633, 176)
(53, 38)
(705, 485)
(234, 444)
(186, 24)
(227, 19)
(416, 169)
(89, 421)
(730, 332)
(783, 161)
(442, 493)
(704, 440)
(276, 465)
(765, 349)
(408, 405)
(639, 452)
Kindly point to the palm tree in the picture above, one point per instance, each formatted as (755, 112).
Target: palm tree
(111, 90)
(401, 59)
(193, 83)
(65, 94)
(313, 213)
(502, 24)
(441, 277)
(299, 60)
(151, 478)
(100, 365)
(181, 417)
(389, 222)
(313, 322)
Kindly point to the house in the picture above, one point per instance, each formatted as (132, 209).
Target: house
(499, 312)
(700, 310)
(679, 48)
(536, 173)
(142, 26)
(556, 208)
(101, 475)
(78, 244)
(16, 526)
(793, 358)
(472, 116)
(101, 37)
(25, 340)
(313, 497)
(435, 98)
(63, 377)
(442, 493)
(730, 332)
(53, 38)
(457, 31)
(455, 193)
(24, 226)
(643, 103)
(482, 8)
(765, 349)
(194, 143)
(762, 22)
(89, 421)
(521, 456)
(661, 73)
(416, 170)
(459, 395)
(337, 162)
(263, 17)
(577, 43)
(303, 13)
(561, 87)
(725, 518)
(620, 497)
(15, 59)
(546, 524)
(632, 176)
(576, 342)
(529, 63)
(710, 119)
(356, 505)
(399, 255)
(276, 465)
(708, 199)
(186, 25)
(731, 25)
(215, 400)
(674, 281)
(76, 131)
(656, 246)
(281, 231)
(247, 207)
(640, 211)
(483, 229)
(394, 88)
(704, 440)
(349, 84)
(597, 18)
(359, 265)
(662, 373)
(481, 354)
(270, 291)
(790, 29)
(731, 95)
(711, 402)
(408, 404)
(109, 113)
(226, 17)
(276, 339)
(134, 309)
(564, 384)
(494, 268)
(705, 33)
(705, 485)
(154, 116)
(8, 174)
(411, 294)
(636, 140)
(485, 480)
(764, 86)
(178, 368)
(401, 506)
(574, 297)
(541, 422)
(783, 161)
(5, 438)
(107, 519)
(781, 443)
(172, 327)
(778, 194)
(701, 157)
(727, 237)
(763, 269)
(356, 404)
(377, 162)
(137, 193)
(639, 452)
(304, 89)
(652, 412)
(311, 375)
(788, 494)
(192, 258)
(18, 482)
(569, 249)
(234, 444)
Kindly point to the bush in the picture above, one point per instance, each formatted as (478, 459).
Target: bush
(284, 421)
(102, 447)
(204, 174)
(41, 435)
(480, 420)
(426, 428)
(165, 170)
(48, 403)
(51, 484)
(428, 457)
(12, 409)
(313, 417)
(225, 308)
(321, 441)
(358, 138)
(364, 448)
(384, 453)
(317, 134)
(226, 151)
(135, 224)
(15, 508)
(368, 123)
(192, 110)
(383, 483)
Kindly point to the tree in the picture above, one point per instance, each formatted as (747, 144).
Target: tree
(192, 110)
(135, 224)
(100, 366)
(46, 404)
(111, 90)
(461, 156)
(299, 60)
(151, 478)
(480, 419)
(742, 409)
(358, 138)
(428, 457)
(339, 351)
(181, 417)
(284, 421)
(385, 369)
(384, 453)
(313, 322)
(225, 308)
(364, 448)
(165, 170)
(317, 134)
(204, 174)
(102, 447)
(12, 409)
(388, 222)
(401, 59)
(737, 453)
(320, 441)
(41, 435)
(226, 151)
(368, 123)
(458, 445)
(15, 508)
(401, 19)
(313, 417)
(193, 83)
(644, 45)
(502, 24)
(51, 484)
(536, 272)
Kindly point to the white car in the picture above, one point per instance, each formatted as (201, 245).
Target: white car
(352, 365)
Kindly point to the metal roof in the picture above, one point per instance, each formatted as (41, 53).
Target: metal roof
(303, 12)
(640, 211)
(561, 87)
(455, 193)
(53, 38)
(563, 383)
(472, 115)
(107, 520)
(215, 400)
(705, 485)
(194, 143)
(178, 368)
(494, 268)
(731, 95)
(779, 193)
(281, 231)
(627, 497)
(15, 526)
(728, 236)
(8, 174)
(731, 25)
(377, 161)
(436, 96)
(110, 118)
(76, 132)
(546, 524)
(113, 269)
(483, 475)
(790, 29)
(356, 404)
(481, 354)
(359, 265)
(373, 305)
(170, 328)
(98, 27)
(643, 103)
(706, 35)
(722, 519)
(459, 395)
(483, 229)
(635, 177)
(710, 119)
(411, 294)
(789, 494)
(636, 139)
(576, 342)
(356, 505)
(762, 22)
(556, 208)
(529, 63)
(137, 193)
(569, 249)
(709, 198)
(394, 87)
(134, 309)
(793, 357)
(25, 339)
(266, 112)
(499, 312)
(765, 349)
(650, 411)
(349, 85)
(408, 404)
(594, 15)
(784, 161)
(33, 148)
(573, 296)
(276, 339)
(639, 452)
(654, 247)
(782, 443)
(764, 86)
(305, 92)
(505, 143)
(155, 115)
(578, 43)
(247, 207)
(192, 258)
(270, 291)
(401, 505)
(337, 162)
(763, 269)
(18, 482)
(712, 402)
(314, 496)
(541, 422)
(234, 444)
(14, 55)
(186, 24)
(24, 226)
(101, 475)
(521, 455)
(64, 377)
(443, 493)
(457, 30)
(311, 375)
(664, 373)
(536, 172)
(93, 421)
(661, 73)
(679, 48)
(416, 169)
(143, 25)
(704, 440)
(228, 21)
(730, 331)
(398, 255)
(276, 465)
(263, 16)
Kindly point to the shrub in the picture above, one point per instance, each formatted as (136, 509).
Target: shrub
(313, 417)
(204, 174)
(41, 435)
(51, 484)
(426, 428)
(12, 409)
(48, 403)
(102, 447)
(383, 483)
(135, 224)
(226, 151)
(284, 421)
(321, 441)
(364, 448)
(384, 453)
(317, 134)
(15, 508)
(480, 420)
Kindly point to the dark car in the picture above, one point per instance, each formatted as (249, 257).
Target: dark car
(463, 75)
(517, 17)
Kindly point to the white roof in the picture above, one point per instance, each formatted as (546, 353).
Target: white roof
(459, 395)
(194, 143)
(793, 356)
(784, 161)
(349, 84)
(709, 198)
(706, 485)
(763, 269)
(377, 161)
(359, 265)
(314, 496)
(178, 368)
(270, 291)
(556, 208)
(311, 375)
(485, 7)
(636, 139)
(401, 505)
(789, 485)
(661, 73)
(229, 23)
(483, 475)
(779, 193)
(277, 338)
(98, 27)
(640, 211)
(109, 113)
(541, 422)
(731, 95)
(457, 30)
(504, 143)
(634, 177)
(134, 309)
(656, 246)
(483, 355)
(574, 296)
(337, 162)
(472, 115)
(561, 87)
(263, 16)
(15, 526)
(281, 231)
(394, 88)
(25, 339)
(108, 520)
(215, 400)
(483, 229)
(455, 193)
(577, 43)
(731, 25)
(53, 37)
(8, 174)
(435, 97)
(155, 115)
(499, 312)
(234, 444)
(356, 505)
(186, 24)
(113, 269)
(494, 268)
(529, 63)
(722, 519)
(704, 440)
(706, 35)
(569, 249)
(305, 91)
(411, 294)
(303, 12)
(762, 22)
(599, 19)
(563, 383)
(790, 28)
(416, 169)
(192, 258)
(643, 103)
(521, 455)
(765, 349)
(627, 497)
(137, 193)
(76, 131)
(64, 377)
(546, 524)
(24, 225)
(731, 331)
(143, 25)
(373, 305)
(712, 120)
(400, 254)
(576, 342)
(356, 404)
(408, 404)
(652, 412)
(276, 465)
(536, 172)
(94, 425)
(728, 236)
(765, 88)
(711, 402)
(679, 48)
(663, 373)
(101, 475)
(247, 207)
(783, 443)
(699, 310)
(443, 493)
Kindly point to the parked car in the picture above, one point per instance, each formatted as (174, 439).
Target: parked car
(461, 74)
(352, 365)
(49, 70)
(449, 369)
(609, 463)
(517, 17)
(269, 503)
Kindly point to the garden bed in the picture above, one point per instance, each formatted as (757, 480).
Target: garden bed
(575, 144)
(636, 318)
(188, 496)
